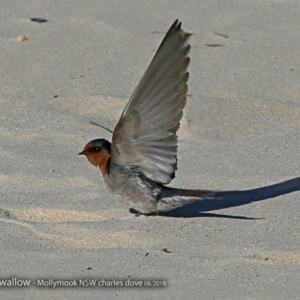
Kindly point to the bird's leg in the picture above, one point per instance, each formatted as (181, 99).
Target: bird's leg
(138, 213)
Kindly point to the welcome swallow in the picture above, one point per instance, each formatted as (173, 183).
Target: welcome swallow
(142, 157)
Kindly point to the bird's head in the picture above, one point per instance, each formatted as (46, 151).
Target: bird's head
(98, 153)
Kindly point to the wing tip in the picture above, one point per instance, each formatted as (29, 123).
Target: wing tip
(176, 26)
(174, 30)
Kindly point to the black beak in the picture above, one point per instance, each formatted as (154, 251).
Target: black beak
(82, 153)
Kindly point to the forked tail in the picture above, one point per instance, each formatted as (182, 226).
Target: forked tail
(172, 198)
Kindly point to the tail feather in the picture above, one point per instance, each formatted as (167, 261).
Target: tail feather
(172, 198)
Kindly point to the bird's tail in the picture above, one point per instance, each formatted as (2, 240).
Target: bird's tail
(172, 198)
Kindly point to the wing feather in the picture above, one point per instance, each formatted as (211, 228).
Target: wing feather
(145, 135)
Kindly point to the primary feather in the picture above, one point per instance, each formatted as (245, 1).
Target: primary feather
(145, 136)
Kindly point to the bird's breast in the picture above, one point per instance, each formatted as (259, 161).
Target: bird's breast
(128, 184)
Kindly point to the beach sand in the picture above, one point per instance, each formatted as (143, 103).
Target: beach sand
(240, 131)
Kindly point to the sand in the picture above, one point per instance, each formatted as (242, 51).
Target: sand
(240, 131)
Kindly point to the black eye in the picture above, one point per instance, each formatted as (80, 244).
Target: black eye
(97, 149)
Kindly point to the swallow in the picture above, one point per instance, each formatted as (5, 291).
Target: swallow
(142, 157)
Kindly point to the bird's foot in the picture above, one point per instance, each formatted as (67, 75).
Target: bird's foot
(138, 213)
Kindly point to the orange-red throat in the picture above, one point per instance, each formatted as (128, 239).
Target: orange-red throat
(98, 154)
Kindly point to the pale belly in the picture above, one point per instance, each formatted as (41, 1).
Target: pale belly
(133, 189)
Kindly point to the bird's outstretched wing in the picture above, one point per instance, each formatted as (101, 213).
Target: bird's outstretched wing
(145, 135)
